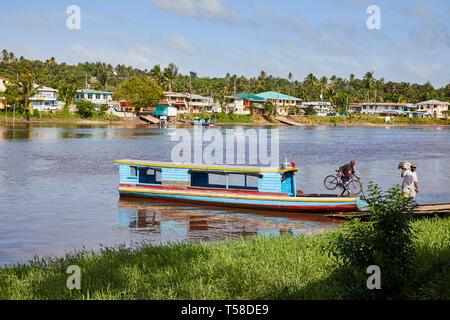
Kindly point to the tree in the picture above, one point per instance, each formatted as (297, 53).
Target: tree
(269, 107)
(12, 95)
(5, 56)
(140, 92)
(85, 109)
(290, 76)
(66, 93)
(27, 90)
(309, 111)
(103, 108)
(170, 74)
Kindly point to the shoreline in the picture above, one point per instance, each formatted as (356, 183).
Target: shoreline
(310, 123)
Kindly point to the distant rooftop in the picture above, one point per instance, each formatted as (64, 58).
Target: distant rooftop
(276, 95)
(248, 96)
(433, 102)
(43, 88)
(384, 104)
(93, 91)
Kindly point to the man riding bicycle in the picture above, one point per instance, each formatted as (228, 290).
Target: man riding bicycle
(347, 170)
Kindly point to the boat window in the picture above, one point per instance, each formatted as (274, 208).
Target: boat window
(222, 180)
(158, 176)
(133, 171)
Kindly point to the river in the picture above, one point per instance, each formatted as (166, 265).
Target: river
(58, 183)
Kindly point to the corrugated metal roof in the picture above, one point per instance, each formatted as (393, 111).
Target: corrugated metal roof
(276, 95)
(248, 96)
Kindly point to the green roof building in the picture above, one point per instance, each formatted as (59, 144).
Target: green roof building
(281, 101)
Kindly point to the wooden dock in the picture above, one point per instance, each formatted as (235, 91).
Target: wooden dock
(287, 121)
(421, 210)
(149, 119)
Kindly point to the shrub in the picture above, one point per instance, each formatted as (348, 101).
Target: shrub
(85, 109)
(386, 241)
(103, 108)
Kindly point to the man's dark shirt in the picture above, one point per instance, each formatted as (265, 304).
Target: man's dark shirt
(346, 168)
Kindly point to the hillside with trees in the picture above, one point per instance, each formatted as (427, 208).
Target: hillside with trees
(98, 75)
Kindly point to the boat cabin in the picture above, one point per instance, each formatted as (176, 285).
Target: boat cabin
(168, 174)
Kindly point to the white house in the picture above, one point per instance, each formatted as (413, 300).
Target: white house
(383, 108)
(46, 99)
(97, 97)
(433, 108)
(322, 108)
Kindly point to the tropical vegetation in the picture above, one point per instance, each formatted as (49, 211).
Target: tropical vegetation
(98, 75)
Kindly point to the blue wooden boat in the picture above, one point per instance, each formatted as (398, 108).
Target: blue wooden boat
(269, 188)
(204, 122)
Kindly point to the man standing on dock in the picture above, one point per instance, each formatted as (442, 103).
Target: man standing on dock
(409, 185)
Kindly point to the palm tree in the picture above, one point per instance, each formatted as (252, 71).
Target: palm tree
(51, 62)
(170, 73)
(262, 76)
(28, 89)
(290, 76)
(5, 56)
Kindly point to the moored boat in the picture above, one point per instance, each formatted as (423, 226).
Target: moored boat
(269, 188)
(204, 122)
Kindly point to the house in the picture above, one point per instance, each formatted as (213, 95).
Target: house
(433, 108)
(177, 100)
(322, 108)
(243, 103)
(189, 102)
(197, 103)
(97, 97)
(383, 108)
(3, 83)
(281, 101)
(45, 99)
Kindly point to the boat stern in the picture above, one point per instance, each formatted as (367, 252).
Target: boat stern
(361, 203)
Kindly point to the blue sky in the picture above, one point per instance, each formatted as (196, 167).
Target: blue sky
(213, 37)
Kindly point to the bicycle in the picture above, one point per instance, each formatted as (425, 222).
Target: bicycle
(353, 186)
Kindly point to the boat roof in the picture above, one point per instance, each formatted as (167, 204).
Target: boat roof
(204, 167)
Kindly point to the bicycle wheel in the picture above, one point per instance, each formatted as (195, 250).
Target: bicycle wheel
(354, 187)
(330, 182)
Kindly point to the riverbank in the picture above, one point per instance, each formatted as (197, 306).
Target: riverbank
(234, 120)
(264, 267)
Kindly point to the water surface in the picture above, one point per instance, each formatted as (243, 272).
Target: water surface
(58, 184)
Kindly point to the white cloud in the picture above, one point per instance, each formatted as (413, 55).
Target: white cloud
(214, 10)
(137, 56)
(180, 44)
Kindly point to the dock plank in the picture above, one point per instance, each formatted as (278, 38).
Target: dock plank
(421, 210)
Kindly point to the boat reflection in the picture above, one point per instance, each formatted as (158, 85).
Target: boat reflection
(169, 221)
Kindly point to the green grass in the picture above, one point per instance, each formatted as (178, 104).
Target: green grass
(264, 267)
(326, 120)
(57, 116)
(220, 117)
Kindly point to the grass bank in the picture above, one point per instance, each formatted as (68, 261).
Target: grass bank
(367, 120)
(284, 267)
(220, 117)
(57, 116)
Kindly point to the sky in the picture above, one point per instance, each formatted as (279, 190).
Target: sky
(242, 37)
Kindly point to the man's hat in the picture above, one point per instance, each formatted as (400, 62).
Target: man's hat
(413, 165)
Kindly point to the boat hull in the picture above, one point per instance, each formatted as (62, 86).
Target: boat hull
(244, 199)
